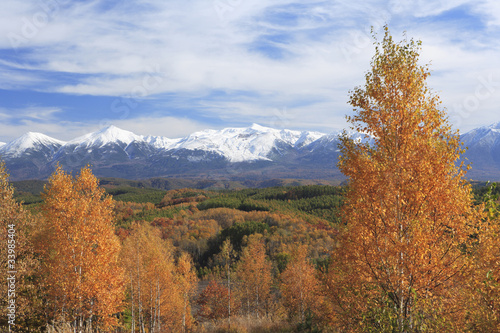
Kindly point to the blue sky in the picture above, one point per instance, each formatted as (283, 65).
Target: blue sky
(173, 67)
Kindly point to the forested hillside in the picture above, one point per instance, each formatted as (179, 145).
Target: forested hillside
(191, 242)
(260, 240)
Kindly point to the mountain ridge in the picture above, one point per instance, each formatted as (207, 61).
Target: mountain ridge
(254, 152)
(112, 151)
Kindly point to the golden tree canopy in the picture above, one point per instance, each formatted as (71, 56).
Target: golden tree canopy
(80, 250)
(408, 211)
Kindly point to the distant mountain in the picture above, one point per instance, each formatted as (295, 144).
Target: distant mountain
(28, 156)
(483, 152)
(29, 143)
(252, 153)
(244, 144)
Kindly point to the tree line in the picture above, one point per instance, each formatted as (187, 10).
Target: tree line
(76, 270)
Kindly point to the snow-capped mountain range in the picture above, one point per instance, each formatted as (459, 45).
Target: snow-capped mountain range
(250, 152)
(115, 152)
(234, 144)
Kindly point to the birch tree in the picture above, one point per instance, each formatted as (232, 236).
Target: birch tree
(300, 287)
(254, 273)
(79, 250)
(187, 282)
(155, 300)
(405, 249)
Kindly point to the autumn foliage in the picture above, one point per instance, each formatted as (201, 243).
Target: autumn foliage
(482, 290)
(300, 287)
(403, 247)
(254, 272)
(187, 281)
(79, 249)
(405, 250)
(159, 292)
(213, 301)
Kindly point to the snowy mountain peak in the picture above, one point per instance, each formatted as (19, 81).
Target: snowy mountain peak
(106, 135)
(486, 135)
(245, 143)
(30, 140)
(281, 153)
(307, 138)
(238, 144)
(259, 128)
(161, 142)
(38, 137)
(495, 126)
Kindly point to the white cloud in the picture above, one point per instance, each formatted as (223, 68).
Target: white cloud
(149, 48)
(490, 11)
(61, 130)
(37, 113)
(15, 122)
(423, 8)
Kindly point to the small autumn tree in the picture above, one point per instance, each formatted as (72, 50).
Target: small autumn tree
(405, 249)
(83, 280)
(156, 302)
(300, 287)
(483, 292)
(20, 288)
(187, 281)
(213, 301)
(254, 274)
(219, 300)
(228, 256)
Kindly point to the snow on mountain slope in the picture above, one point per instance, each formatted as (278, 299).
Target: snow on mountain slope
(234, 144)
(484, 136)
(30, 140)
(483, 152)
(107, 135)
(116, 152)
(2, 144)
(245, 144)
(161, 142)
(307, 138)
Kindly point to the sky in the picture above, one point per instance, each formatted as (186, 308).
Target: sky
(170, 68)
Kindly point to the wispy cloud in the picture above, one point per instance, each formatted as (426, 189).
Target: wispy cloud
(266, 56)
(33, 113)
(14, 122)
